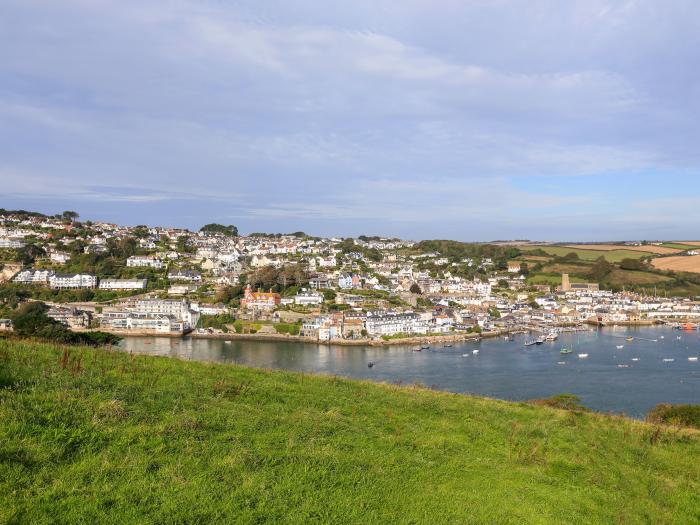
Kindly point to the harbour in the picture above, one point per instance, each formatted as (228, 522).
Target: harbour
(658, 365)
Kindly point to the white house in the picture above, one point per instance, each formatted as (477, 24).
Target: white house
(185, 275)
(59, 257)
(141, 261)
(308, 298)
(345, 281)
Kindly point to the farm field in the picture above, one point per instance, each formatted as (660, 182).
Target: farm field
(659, 250)
(532, 258)
(678, 264)
(586, 255)
(684, 246)
(631, 278)
(686, 243)
(577, 269)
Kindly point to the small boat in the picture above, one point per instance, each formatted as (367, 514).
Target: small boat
(551, 336)
(692, 359)
(620, 347)
(424, 347)
(465, 355)
(662, 337)
(582, 356)
(630, 338)
(417, 349)
(530, 343)
(370, 364)
(635, 359)
(669, 359)
(679, 337)
(561, 362)
(227, 342)
(539, 341)
(623, 366)
(475, 351)
(447, 346)
(566, 351)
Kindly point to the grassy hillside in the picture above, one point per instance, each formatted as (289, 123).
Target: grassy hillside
(92, 436)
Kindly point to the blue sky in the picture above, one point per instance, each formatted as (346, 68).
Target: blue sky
(471, 120)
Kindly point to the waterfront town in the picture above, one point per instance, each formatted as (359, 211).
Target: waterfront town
(367, 290)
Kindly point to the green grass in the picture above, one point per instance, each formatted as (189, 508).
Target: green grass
(588, 255)
(93, 436)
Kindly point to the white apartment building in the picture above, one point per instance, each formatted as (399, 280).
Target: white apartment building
(70, 281)
(34, 276)
(181, 309)
(389, 323)
(123, 284)
(6, 242)
(159, 323)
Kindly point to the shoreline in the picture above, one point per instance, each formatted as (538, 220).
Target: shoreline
(413, 340)
(452, 338)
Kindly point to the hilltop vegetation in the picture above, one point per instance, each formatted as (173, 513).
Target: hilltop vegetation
(90, 436)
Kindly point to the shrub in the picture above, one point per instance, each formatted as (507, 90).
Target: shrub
(678, 415)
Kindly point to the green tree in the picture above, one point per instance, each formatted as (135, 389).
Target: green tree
(230, 230)
(70, 215)
(601, 269)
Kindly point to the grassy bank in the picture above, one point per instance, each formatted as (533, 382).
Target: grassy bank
(93, 436)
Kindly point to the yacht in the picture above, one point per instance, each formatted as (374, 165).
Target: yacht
(551, 336)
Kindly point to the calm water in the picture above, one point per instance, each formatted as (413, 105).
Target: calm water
(501, 369)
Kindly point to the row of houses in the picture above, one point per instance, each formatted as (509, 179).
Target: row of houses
(60, 281)
(374, 324)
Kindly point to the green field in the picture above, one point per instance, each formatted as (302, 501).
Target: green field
(94, 436)
(588, 255)
(684, 247)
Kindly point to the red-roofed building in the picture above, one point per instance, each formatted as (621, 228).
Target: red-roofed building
(260, 300)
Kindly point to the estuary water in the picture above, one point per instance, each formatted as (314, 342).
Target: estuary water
(653, 368)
